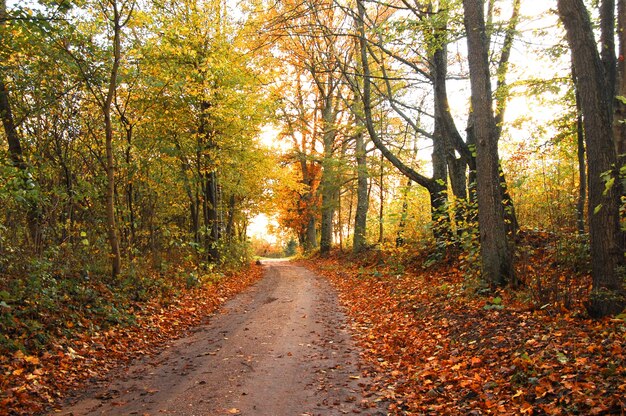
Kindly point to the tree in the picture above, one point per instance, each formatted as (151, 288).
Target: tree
(436, 185)
(16, 153)
(360, 218)
(307, 33)
(118, 16)
(103, 86)
(496, 252)
(595, 74)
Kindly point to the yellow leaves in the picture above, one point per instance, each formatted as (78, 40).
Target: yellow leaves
(73, 354)
(31, 359)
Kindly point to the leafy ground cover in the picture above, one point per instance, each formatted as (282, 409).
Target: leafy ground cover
(86, 345)
(442, 345)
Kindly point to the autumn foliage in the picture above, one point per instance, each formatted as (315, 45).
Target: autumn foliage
(32, 381)
(440, 347)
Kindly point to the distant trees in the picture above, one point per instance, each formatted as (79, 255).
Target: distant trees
(308, 34)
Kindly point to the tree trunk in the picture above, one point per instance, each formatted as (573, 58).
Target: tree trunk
(606, 238)
(404, 214)
(441, 148)
(381, 207)
(496, 252)
(212, 217)
(130, 192)
(311, 234)
(433, 187)
(329, 186)
(362, 204)
(114, 242)
(582, 166)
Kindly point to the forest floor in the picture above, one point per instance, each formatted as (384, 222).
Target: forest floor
(449, 347)
(281, 347)
(401, 338)
(82, 347)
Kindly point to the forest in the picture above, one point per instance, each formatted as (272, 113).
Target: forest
(448, 159)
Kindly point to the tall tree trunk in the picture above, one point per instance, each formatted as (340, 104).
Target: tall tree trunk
(496, 252)
(362, 204)
(606, 238)
(582, 166)
(351, 209)
(212, 218)
(329, 186)
(130, 191)
(442, 146)
(381, 207)
(114, 242)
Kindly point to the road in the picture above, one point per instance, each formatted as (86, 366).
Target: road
(282, 347)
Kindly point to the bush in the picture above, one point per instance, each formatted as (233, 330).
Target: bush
(291, 248)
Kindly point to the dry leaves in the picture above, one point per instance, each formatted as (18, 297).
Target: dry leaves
(440, 349)
(30, 384)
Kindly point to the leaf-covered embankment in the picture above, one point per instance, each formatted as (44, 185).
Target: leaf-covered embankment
(447, 350)
(31, 382)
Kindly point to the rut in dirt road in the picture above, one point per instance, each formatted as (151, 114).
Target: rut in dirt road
(280, 348)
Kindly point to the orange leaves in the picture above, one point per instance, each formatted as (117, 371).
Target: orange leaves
(442, 353)
(30, 383)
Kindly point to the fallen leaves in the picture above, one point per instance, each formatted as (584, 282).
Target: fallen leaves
(29, 384)
(438, 350)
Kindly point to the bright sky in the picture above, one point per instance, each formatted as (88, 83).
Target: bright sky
(258, 228)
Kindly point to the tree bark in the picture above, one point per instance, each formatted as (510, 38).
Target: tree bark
(329, 186)
(114, 242)
(362, 205)
(606, 238)
(496, 252)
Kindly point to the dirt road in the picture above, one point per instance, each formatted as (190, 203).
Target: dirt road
(280, 348)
